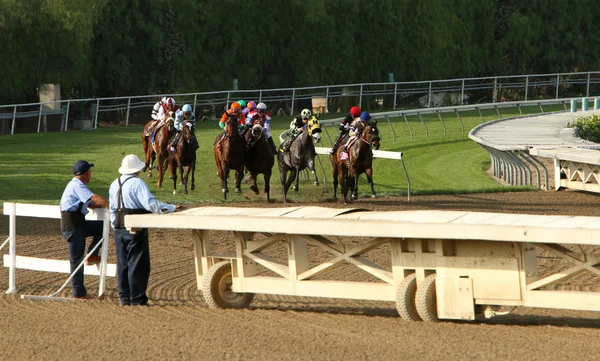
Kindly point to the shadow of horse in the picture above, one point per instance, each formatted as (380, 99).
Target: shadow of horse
(360, 160)
(301, 155)
(259, 159)
(184, 155)
(231, 155)
(158, 148)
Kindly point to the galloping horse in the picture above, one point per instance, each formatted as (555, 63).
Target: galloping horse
(260, 158)
(184, 155)
(158, 148)
(231, 155)
(300, 155)
(360, 160)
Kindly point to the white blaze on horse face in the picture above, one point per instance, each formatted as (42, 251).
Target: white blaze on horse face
(317, 137)
(257, 130)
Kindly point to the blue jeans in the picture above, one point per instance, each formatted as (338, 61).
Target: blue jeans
(133, 266)
(76, 243)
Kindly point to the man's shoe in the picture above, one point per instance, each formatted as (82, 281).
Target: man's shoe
(92, 260)
(83, 298)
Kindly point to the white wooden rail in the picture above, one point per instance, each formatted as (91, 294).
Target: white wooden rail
(13, 261)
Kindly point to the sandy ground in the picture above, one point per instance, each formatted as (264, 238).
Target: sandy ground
(179, 325)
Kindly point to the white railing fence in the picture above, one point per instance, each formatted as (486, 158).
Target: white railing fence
(96, 112)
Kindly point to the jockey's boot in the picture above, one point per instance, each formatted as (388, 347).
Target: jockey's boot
(335, 146)
(150, 129)
(272, 145)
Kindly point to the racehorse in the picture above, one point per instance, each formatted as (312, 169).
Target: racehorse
(359, 160)
(300, 155)
(260, 158)
(184, 155)
(158, 148)
(231, 155)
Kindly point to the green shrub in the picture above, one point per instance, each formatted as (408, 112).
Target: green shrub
(587, 128)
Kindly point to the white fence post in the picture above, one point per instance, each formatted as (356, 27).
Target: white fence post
(587, 89)
(360, 96)
(557, 84)
(395, 94)
(127, 116)
(12, 249)
(96, 115)
(195, 100)
(12, 128)
(327, 100)
(526, 87)
(67, 116)
(293, 97)
(39, 118)
(104, 256)
(462, 92)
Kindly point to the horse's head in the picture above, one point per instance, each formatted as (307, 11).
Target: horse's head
(231, 125)
(371, 135)
(188, 131)
(170, 122)
(314, 129)
(257, 131)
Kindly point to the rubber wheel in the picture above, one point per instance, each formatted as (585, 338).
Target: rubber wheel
(425, 300)
(216, 288)
(405, 299)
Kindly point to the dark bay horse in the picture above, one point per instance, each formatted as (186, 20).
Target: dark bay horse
(260, 158)
(301, 155)
(158, 148)
(184, 155)
(360, 160)
(231, 155)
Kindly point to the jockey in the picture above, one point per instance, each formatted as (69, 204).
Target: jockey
(261, 114)
(356, 128)
(301, 120)
(345, 127)
(183, 116)
(167, 106)
(249, 107)
(242, 104)
(157, 106)
(235, 109)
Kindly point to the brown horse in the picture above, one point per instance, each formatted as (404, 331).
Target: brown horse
(231, 155)
(149, 150)
(184, 155)
(260, 158)
(360, 160)
(158, 148)
(301, 155)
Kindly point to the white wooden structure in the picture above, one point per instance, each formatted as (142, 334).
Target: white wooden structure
(13, 261)
(574, 168)
(443, 264)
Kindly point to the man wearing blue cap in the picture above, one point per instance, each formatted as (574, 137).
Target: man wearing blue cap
(74, 204)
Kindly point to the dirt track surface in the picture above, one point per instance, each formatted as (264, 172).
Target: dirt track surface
(179, 325)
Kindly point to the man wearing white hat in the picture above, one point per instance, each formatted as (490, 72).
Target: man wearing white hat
(129, 194)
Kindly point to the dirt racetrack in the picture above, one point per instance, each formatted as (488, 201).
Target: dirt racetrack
(178, 324)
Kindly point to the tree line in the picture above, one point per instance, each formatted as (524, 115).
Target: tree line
(107, 48)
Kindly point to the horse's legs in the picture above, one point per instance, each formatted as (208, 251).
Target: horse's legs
(297, 179)
(335, 180)
(311, 166)
(293, 175)
(239, 174)
(161, 169)
(224, 175)
(185, 178)
(369, 173)
(343, 179)
(193, 170)
(355, 188)
(267, 176)
(253, 177)
(282, 176)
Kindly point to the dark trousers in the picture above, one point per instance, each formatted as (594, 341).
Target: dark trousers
(133, 266)
(76, 243)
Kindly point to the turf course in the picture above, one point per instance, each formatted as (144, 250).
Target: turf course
(36, 167)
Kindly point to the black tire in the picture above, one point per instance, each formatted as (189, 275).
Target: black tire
(216, 288)
(425, 299)
(405, 299)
